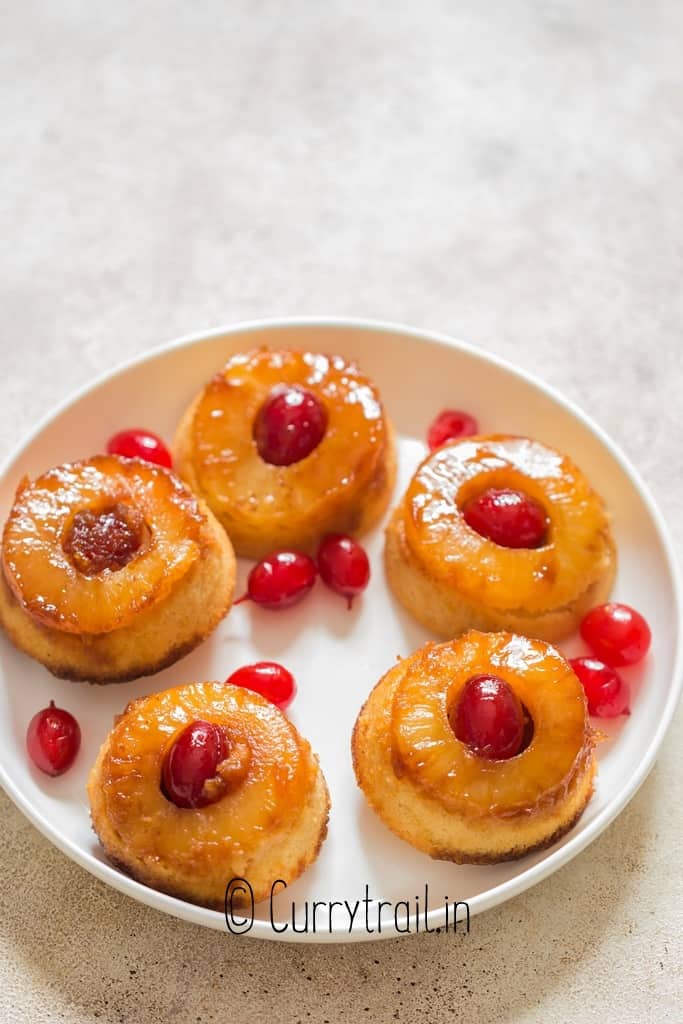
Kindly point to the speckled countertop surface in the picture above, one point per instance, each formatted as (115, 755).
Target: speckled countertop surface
(507, 172)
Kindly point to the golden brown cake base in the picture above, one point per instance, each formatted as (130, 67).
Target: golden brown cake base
(447, 613)
(157, 637)
(422, 820)
(194, 853)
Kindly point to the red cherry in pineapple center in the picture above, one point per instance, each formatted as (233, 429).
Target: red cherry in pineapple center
(488, 717)
(289, 425)
(191, 765)
(509, 518)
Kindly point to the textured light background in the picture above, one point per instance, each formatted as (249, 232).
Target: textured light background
(508, 172)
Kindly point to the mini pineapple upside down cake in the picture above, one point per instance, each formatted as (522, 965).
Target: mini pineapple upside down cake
(286, 447)
(111, 569)
(500, 532)
(206, 782)
(477, 750)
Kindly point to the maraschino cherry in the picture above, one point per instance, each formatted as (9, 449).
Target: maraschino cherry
(289, 425)
(191, 762)
(140, 444)
(488, 717)
(272, 680)
(617, 633)
(53, 739)
(449, 425)
(343, 565)
(606, 692)
(280, 580)
(509, 518)
(105, 539)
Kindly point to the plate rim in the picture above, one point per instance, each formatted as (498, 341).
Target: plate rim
(526, 878)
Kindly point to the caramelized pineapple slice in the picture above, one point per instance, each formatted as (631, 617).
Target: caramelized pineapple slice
(575, 553)
(426, 749)
(89, 544)
(269, 773)
(290, 504)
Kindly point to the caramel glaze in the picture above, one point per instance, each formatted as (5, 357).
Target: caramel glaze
(228, 467)
(89, 544)
(577, 546)
(265, 779)
(425, 748)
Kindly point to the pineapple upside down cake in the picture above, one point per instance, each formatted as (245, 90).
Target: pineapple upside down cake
(500, 532)
(287, 447)
(112, 569)
(477, 750)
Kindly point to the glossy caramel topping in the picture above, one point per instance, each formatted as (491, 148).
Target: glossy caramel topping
(70, 532)
(267, 777)
(104, 540)
(575, 547)
(225, 456)
(425, 748)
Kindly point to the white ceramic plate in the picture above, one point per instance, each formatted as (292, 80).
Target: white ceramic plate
(338, 655)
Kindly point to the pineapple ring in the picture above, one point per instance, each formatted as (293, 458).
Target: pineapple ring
(438, 763)
(45, 579)
(578, 546)
(438, 795)
(343, 485)
(269, 822)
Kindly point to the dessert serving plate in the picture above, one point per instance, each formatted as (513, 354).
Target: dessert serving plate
(337, 655)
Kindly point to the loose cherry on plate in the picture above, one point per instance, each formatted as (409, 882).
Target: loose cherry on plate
(507, 517)
(343, 565)
(280, 580)
(192, 762)
(606, 692)
(289, 425)
(53, 739)
(272, 680)
(449, 425)
(140, 444)
(617, 633)
(489, 718)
